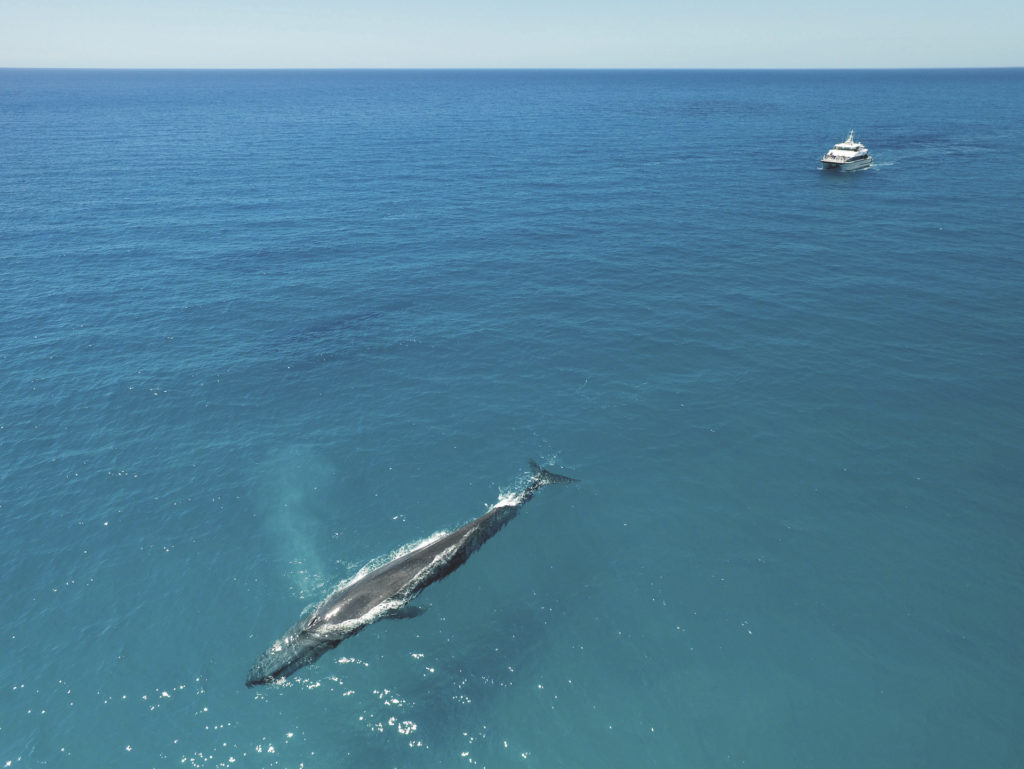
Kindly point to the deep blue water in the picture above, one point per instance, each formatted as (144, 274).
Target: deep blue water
(259, 328)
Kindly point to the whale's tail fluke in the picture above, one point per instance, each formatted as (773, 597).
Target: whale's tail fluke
(544, 477)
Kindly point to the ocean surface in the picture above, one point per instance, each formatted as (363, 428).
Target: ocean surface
(259, 329)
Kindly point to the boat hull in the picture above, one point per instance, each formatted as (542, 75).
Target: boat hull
(848, 165)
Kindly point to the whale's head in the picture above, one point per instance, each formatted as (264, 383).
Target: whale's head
(304, 644)
(294, 650)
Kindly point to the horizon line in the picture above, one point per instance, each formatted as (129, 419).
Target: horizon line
(500, 69)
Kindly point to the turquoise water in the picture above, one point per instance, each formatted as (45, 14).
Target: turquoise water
(261, 328)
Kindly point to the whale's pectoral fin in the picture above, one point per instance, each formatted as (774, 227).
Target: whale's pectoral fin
(406, 612)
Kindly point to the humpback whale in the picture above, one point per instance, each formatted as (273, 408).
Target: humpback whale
(387, 590)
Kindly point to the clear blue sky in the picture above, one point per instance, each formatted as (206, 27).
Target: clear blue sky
(510, 33)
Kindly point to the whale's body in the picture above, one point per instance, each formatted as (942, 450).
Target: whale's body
(386, 591)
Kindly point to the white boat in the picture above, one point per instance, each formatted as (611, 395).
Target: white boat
(847, 156)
